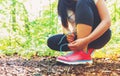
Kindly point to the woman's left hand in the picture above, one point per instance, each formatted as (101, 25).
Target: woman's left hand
(78, 44)
(70, 37)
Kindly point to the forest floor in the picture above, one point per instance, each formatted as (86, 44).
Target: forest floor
(47, 66)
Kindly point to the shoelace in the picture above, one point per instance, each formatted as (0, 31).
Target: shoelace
(61, 51)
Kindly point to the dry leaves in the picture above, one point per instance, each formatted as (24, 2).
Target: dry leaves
(47, 66)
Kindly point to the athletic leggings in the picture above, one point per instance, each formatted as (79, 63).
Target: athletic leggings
(86, 13)
(59, 42)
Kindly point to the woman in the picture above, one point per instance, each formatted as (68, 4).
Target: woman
(90, 22)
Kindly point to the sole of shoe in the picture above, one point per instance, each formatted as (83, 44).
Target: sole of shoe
(76, 62)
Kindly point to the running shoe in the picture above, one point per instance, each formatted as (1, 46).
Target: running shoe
(77, 57)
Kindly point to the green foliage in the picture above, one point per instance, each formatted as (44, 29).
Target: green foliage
(28, 38)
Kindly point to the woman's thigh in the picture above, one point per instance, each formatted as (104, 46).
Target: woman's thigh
(102, 41)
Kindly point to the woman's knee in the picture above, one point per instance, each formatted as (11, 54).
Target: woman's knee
(50, 42)
(53, 41)
(84, 13)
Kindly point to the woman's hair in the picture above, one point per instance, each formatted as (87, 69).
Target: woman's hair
(63, 6)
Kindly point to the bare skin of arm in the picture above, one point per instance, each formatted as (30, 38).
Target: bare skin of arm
(99, 31)
(105, 23)
(70, 32)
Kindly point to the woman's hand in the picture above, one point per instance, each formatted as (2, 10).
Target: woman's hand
(70, 37)
(78, 44)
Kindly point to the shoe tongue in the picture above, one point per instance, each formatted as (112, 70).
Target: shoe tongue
(77, 51)
(90, 50)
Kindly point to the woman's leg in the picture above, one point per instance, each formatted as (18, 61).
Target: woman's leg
(83, 30)
(84, 20)
(102, 41)
(58, 42)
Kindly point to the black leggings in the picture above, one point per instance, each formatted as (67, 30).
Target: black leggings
(55, 43)
(86, 13)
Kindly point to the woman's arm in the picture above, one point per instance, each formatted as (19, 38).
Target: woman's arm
(71, 28)
(69, 34)
(99, 30)
(65, 30)
(104, 24)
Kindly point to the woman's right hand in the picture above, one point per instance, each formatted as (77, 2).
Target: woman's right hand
(70, 37)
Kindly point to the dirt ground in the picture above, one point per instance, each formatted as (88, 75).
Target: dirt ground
(47, 66)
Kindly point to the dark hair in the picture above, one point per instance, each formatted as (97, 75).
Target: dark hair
(63, 6)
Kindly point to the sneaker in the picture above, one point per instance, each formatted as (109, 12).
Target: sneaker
(77, 57)
(91, 50)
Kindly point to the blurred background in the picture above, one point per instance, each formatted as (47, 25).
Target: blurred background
(25, 26)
